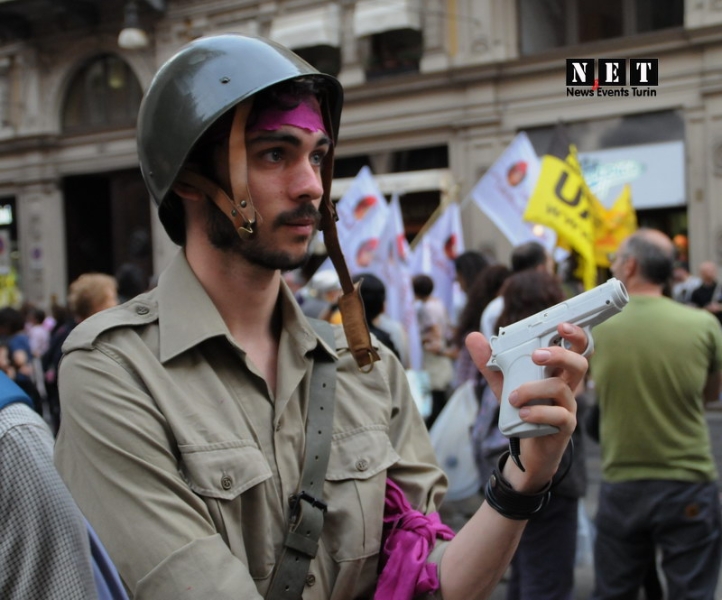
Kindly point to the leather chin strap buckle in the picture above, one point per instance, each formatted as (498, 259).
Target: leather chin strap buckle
(243, 214)
(238, 207)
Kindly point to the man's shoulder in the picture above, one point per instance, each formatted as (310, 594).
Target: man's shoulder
(19, 414)
(664, 313)
(140, 311)
(692, 314)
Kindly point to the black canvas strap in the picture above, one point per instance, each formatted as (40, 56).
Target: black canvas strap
(307, 507)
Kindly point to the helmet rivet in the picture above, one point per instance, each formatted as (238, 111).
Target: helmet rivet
(225, 79)
(244, 204)
(233, 212)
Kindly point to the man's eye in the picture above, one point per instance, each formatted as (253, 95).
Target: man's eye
(274, 154)
(317, 157)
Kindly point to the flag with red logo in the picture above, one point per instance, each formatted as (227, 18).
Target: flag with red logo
(503, 192)
(391, 265)
(435, 253)
(362, 215)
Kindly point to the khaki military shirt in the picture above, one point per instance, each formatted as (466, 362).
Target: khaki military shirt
(183, 460)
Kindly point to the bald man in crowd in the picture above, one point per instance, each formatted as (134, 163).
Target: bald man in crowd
(656, 365)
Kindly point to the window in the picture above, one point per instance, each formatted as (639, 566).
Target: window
(103, 94)
(393, 53)
(350, 166)
(418, 159)
(600, 20)
(546, 24)
(326, 59)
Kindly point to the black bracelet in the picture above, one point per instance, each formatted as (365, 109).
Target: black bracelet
(510, 503)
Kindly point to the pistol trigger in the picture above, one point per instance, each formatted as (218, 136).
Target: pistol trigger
(589, 350)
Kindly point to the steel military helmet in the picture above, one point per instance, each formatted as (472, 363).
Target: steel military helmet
(197, 86)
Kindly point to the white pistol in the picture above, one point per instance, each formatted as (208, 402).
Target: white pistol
(511, 349)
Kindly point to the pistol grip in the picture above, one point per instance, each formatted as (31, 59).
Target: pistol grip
(518, 368)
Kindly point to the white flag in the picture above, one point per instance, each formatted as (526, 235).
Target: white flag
(391, 265)
(504, 190)
(435, 253)
(362, 214)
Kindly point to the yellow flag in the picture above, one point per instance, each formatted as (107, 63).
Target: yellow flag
(562, 201)
(613, 226)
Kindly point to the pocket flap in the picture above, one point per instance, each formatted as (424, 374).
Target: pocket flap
(360, 454)
(223, 471)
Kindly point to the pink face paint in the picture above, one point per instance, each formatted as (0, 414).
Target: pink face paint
(307, 115)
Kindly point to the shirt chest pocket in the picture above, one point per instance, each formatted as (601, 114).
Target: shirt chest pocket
(229, 477)
(355, 491)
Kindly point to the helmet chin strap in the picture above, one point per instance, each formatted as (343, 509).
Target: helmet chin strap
(353, 315)
(239, 206)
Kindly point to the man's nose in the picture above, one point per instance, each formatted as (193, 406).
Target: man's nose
(307, 182)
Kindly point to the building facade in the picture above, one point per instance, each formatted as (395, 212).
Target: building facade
(435, 91)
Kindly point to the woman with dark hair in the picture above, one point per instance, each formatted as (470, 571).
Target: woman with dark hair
(373, 294)
(483, 290)
(527, 293)
(543, 565)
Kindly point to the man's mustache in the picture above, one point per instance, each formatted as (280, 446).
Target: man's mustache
(306, 211)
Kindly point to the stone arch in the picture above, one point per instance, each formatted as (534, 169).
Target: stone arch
(103, 93)
(66, 66)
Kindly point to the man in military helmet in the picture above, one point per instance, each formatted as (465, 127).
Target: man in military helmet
(222, 444)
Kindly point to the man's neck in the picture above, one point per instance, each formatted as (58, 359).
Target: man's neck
(643, 288)
(245, 295)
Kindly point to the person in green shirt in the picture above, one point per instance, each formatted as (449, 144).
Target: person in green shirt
(656, 365)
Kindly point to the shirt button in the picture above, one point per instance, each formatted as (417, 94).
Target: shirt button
(226, 482)
(142, 310)
(362, 464)
(278, 425)
(311, 580)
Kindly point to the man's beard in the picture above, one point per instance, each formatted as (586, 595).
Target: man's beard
(223, 236)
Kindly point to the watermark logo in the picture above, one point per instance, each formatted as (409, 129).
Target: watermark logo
(637, 77)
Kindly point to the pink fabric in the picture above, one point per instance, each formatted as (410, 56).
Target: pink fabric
(409, 539)
(307, 115)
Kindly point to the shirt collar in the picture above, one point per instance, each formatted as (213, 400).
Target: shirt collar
(188, 317)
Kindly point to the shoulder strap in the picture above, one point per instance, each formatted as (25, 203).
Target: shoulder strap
(11, 392)
(307, 506)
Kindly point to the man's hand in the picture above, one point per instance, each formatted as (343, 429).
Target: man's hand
(541, 455)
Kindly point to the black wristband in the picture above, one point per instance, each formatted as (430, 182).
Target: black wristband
(510, 503)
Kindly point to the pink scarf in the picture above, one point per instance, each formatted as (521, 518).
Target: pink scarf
(409, 538)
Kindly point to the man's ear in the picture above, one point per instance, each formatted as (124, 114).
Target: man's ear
(188, 192)
(631, 266)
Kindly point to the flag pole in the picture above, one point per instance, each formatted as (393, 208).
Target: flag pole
(448, 195)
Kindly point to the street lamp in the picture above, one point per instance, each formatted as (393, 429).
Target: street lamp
(132, 36)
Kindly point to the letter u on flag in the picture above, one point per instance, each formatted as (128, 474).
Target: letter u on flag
(562, 201)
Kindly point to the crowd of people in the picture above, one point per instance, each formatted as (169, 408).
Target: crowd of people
(226, 440)
(31, 339)
(645, 393)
